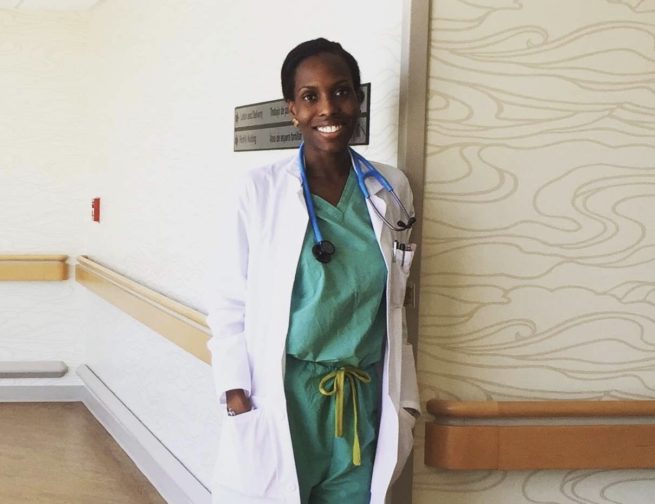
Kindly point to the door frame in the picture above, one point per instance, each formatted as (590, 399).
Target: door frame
(412, 121)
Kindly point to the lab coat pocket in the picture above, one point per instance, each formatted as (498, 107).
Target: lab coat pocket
(399, 272)
(405, 440)
(246, 455)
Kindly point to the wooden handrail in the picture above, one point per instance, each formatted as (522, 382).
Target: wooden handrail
(180, 324)
(539, 409)
(31, 267)
(489, 435)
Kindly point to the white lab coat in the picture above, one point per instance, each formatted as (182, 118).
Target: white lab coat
(262, 233)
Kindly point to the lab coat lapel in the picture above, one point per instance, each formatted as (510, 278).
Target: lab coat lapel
(292, 222)
(294, 216)
(379, 227)
(295, 222)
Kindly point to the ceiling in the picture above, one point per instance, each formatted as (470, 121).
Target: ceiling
(48, 5)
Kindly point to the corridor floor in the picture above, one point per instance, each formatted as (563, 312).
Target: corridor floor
(58, 453)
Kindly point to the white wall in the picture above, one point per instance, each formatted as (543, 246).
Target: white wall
(133, 102)
(45, 155)
(167, 76)
(45, 148)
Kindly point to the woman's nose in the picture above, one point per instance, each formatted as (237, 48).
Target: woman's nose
(328, 106)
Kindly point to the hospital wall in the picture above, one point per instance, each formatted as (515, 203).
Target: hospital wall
(45, 152)
(166, 78)
(539, 238)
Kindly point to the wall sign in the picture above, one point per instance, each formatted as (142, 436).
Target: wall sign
(267, 125)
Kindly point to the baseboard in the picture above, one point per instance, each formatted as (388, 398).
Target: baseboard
(42, 393)
(169, 476)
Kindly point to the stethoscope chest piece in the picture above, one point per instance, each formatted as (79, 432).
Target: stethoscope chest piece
(323, 251)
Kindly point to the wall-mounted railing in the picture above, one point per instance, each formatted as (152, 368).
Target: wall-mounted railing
(177, 322)
(14, 268)
(541, 435)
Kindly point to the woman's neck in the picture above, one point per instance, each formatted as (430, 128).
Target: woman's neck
(328, 166)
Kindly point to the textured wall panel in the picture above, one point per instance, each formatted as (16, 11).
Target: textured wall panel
(539, 241)
(45, 150)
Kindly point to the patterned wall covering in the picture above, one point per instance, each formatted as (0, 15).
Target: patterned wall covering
(539, 246)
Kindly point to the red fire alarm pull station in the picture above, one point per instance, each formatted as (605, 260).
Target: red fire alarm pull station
(95, 209)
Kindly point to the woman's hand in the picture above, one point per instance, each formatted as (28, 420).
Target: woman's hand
(237, 401)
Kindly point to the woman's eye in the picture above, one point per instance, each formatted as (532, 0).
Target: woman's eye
(309, 97)
(343, 92)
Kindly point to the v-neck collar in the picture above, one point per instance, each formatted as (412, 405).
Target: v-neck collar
(335, 213)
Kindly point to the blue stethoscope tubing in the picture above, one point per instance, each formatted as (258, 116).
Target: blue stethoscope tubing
(323, 249)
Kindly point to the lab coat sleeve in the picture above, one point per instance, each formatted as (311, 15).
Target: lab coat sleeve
(226, 297)
(409, 394)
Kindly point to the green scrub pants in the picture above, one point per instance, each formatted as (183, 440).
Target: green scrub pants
(324, 462)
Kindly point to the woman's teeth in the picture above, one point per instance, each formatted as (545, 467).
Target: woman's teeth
(328, 129)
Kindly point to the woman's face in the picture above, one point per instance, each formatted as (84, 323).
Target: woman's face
(325, 104)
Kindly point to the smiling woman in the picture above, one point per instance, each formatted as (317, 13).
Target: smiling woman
(323, 93)
(325, 108)
(334, 421)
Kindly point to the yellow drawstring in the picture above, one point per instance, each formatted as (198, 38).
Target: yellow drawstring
(338, 377)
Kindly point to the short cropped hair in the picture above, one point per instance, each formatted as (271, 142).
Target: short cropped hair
(312, 48)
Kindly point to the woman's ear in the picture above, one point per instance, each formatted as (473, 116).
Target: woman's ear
(292, 112)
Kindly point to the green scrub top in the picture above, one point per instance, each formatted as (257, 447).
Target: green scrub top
(338, 312)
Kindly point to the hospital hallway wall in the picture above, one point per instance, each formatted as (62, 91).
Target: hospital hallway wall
(537, 250)
(538, 238)
(133, 102)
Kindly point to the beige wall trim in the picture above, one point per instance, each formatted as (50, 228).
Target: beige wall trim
(177, 322)
(545, 445)
(543, 409)
(33, 268)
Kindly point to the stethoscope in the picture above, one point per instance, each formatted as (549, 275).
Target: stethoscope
(324, 249)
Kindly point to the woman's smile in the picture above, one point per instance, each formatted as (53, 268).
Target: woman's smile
(334, 128)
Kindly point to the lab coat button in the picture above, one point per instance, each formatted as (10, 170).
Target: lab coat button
(291, 487)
